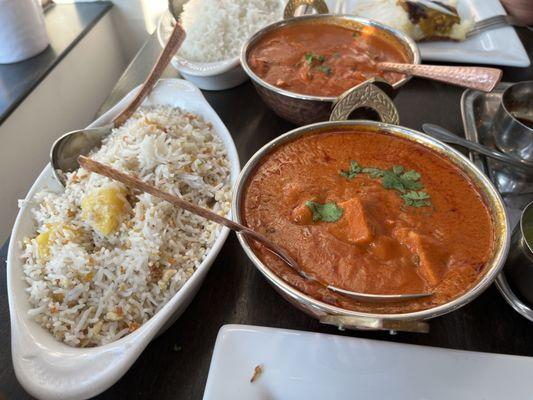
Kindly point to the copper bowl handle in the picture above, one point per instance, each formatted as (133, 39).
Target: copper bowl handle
(374, 324)
(290, 9)
(366, 95)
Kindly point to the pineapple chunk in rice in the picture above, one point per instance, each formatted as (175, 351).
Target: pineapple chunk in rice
(105, 208)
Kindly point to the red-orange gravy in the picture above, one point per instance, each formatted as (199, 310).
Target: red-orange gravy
(322, 59)
(380, 244)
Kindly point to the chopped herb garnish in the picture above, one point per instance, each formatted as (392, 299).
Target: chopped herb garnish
(356, 34)
(401, 181)
(310, 57)
(325, 69)
(396, 178)
(397, 169)
(373, 172)
(354, 170)
(416, 199)
(336, 55)
(328, 212)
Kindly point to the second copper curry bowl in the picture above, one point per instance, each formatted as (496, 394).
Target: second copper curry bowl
(374, 94)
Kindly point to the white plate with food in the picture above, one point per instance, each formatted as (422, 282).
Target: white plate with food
(500, 46)
(216, 31)
(266, 363)
(96, 271)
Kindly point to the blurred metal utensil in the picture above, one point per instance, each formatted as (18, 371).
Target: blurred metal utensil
(65, 150)
(518, 268)
(135, 183)
(442, 134)
(494, 22)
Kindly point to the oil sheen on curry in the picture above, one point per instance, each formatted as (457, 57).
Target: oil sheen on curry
(322, 59)
(372, 213)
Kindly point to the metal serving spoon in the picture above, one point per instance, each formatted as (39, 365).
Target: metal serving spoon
(440, 133)
(135, 183)
(478, 78)
(65, 150)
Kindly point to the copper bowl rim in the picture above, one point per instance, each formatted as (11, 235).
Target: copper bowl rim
(402, 37)
(491, 196)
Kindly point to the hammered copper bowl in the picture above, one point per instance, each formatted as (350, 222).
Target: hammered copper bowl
(412, 321)
(305, 109)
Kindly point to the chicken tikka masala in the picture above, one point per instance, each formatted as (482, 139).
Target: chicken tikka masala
(372, 213)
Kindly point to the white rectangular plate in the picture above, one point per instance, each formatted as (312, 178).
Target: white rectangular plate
(500, 46)
(304, 365)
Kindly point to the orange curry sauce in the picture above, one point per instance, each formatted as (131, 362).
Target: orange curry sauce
(321, 59)
(379, 245)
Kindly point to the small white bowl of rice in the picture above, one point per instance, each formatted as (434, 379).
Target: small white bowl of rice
(216, 31)
(96, 271)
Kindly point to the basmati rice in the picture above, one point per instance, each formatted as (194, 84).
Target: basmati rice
(217, 29)
(90, 289)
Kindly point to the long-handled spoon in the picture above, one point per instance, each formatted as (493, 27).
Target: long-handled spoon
(135, 183)
(438, 132)
(65, 150)
(478, 78)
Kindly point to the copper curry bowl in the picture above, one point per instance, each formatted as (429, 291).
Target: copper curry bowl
(303, 109)
(348, 317)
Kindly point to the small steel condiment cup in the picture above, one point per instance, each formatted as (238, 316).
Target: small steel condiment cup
(518, 272)
(513, 136)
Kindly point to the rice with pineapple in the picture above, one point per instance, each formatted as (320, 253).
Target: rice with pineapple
(103, 259)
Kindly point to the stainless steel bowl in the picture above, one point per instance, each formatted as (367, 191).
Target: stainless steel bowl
(411, 321)
(304, 109)
(511, 135)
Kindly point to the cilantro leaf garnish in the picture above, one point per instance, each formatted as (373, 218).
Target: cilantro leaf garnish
(391, 180)
(397, 169)
(328, 212)
(325, 69)
(411, 175)
(352, 172)
(373, 172)
(310, 57)
(396, 178)
(401, 181)
(416, 199)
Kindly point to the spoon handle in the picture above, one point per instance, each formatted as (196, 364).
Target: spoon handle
(478, 78)
(174, 42)
(444, 135)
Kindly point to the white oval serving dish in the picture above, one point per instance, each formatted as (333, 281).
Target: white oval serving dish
(49, 369)
(218, 75)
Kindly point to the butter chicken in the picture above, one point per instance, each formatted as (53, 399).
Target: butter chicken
(373, 213)
(322, 59)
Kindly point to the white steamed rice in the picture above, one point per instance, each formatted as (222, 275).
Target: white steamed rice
(217, 29)
(91, 289)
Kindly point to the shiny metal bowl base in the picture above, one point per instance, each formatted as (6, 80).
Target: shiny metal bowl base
(328, 313)
(304, 109)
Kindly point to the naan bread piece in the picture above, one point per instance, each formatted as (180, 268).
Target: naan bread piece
(421, 19)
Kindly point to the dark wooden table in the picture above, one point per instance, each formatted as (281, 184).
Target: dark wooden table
(175, 365)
